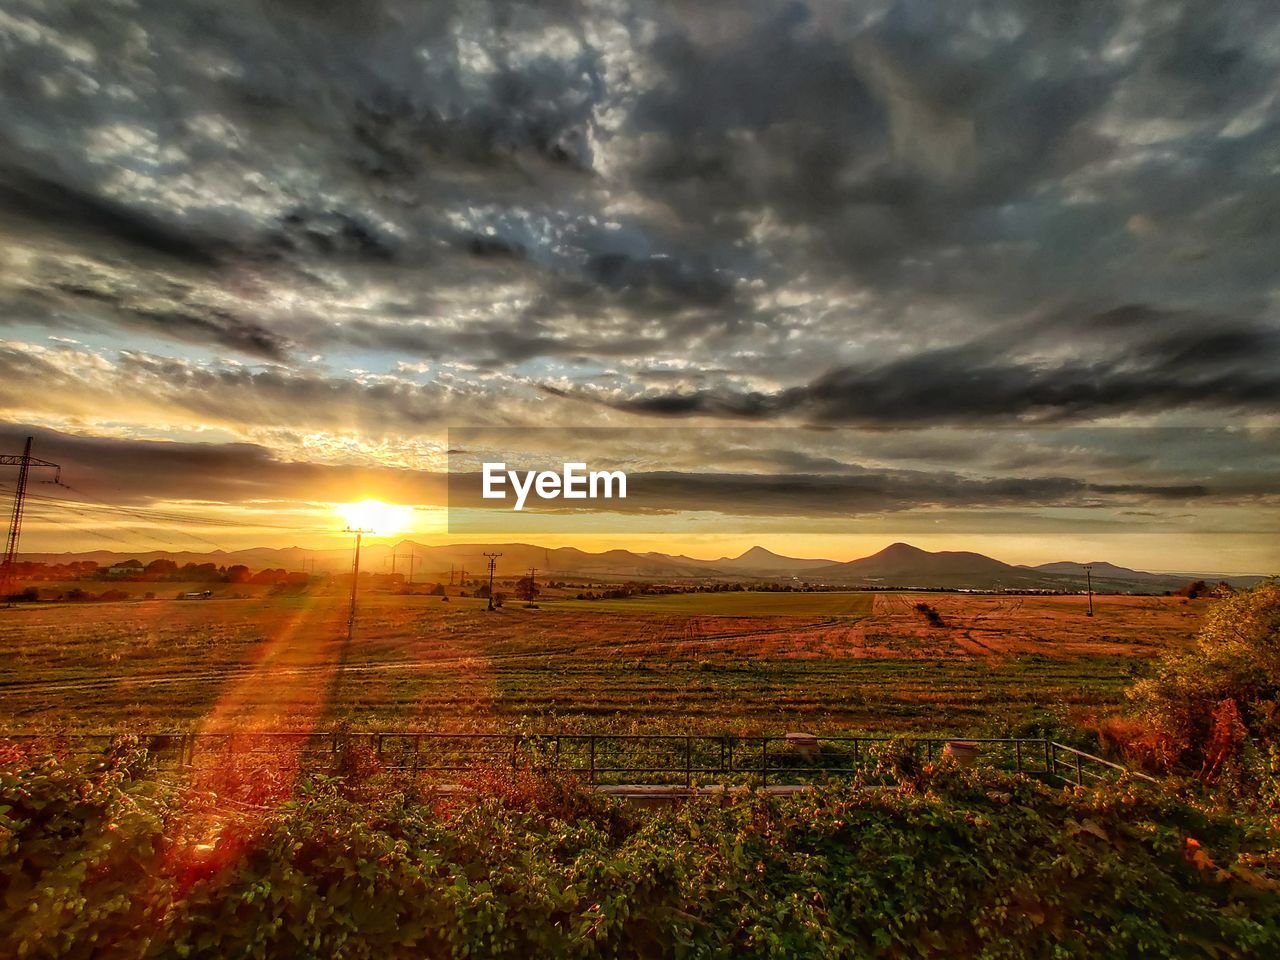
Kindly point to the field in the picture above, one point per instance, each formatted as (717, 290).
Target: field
(707, 663)
(335, 854)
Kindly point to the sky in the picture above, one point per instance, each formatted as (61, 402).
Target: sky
(993, 275)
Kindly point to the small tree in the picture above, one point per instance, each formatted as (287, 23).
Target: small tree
(1224, 691)
(527, 589)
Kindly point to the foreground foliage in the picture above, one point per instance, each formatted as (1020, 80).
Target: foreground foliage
(1214, 711)
(115, 863)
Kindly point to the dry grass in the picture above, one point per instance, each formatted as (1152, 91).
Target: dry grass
(775, 661)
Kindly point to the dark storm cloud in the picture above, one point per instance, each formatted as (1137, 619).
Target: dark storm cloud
(139, 472)
(193, 324)
(846, 494)
(284, 141)
(71, 302)
(1176, 363)
(143, 471)
(30, 202)
(877, 212)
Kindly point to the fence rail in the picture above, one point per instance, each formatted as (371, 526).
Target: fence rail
(605, 758)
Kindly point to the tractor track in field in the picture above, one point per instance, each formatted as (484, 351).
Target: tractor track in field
(609, 650)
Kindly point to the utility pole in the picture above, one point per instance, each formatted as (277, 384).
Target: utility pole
(493, 562)
(410, 556)
(533, 586)
(1088, 579)
(355, 578)
(24, 463)
(451, 574)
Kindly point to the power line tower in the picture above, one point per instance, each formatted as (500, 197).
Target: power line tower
(24, 463)
(493, 562)
(1088, 577)
(411, 557)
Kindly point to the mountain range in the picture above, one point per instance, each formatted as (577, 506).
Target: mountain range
(898, 565)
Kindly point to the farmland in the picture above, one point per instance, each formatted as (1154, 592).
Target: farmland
(710, 663)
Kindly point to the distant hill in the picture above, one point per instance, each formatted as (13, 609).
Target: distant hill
(1101, 570)
(758, 559)
(901, 564)
(897, 565)
(1108, 576)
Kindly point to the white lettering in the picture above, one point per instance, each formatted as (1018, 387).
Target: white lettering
(494, 473)
(548, 485)
(609, 477)
(572, 483)
(522, 490)
(574, 473)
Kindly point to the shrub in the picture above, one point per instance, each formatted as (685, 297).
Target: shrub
(1203, 706)
(931, 614)
(973, 863)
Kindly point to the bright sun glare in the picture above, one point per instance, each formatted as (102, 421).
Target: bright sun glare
(375, 516)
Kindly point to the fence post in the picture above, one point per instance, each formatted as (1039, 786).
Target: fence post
(688, 761)
(731, 755)
(591, 770)
(1017, 751)
(1048, 757)
(1079, 771)
(515, 745)
(764, 761)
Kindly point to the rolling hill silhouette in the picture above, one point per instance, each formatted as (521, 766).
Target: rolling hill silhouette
(897, 565)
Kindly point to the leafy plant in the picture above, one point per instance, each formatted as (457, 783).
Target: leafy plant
(967, 862)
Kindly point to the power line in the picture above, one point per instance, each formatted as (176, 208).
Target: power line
(150, 513)
(146, 519)
(49, 518)
(80, 509)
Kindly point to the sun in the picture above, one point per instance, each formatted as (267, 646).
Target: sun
(376, 517)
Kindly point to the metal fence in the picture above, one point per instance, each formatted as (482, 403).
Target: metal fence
(603, 759)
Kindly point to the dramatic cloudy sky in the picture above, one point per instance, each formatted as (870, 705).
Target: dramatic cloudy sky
(955, 259)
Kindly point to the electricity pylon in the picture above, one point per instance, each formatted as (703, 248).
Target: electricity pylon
(24, 463)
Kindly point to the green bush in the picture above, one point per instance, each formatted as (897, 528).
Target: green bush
(114, 864)
(1211, 705)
